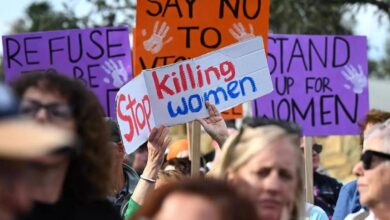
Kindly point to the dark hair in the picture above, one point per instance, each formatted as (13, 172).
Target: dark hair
(181, 164)
(230, 204)
(89, 170)
(143, 148)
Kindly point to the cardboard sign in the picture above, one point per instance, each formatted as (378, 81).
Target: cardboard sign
(177, 93)
(172, 31)
(320, 83)
(99, 57)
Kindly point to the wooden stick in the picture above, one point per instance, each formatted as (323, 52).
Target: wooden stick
(308, 154)
(189, 136)
(195, 149)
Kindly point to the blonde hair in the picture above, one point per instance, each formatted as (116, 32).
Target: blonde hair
(240, 148)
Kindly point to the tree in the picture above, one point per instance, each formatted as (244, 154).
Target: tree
(104, 12)
(40, 16)
(304, 17)
(384, 71)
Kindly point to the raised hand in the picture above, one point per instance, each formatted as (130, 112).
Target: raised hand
(239, 33)
(214, 125)
(117, 72)
(356, 77)
(157, 144)
(155, 42)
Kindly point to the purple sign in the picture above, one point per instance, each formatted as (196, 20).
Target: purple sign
(99, 57)
(320, 82)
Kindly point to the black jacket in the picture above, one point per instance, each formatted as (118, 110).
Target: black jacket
(326, 191)
(73, 210)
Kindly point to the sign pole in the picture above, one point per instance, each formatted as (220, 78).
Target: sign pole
(189, 136)
(195, 148)
(308, 145)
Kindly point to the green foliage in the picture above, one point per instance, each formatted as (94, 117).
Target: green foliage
(104, 12)
(384, 65)
(304, 17)
(40, 16)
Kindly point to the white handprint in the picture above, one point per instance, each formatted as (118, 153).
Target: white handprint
(155, 43)
(355, 77)
(117, 72)
(239, 33)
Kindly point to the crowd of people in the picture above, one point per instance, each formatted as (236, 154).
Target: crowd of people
(61, 158)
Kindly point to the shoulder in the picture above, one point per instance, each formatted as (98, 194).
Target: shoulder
(130, 172)
(360, 215)
(351, 186)
(315, 212)
(131, 176)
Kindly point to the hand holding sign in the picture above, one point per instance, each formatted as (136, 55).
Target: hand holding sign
(117, 72)
(356, 78)
(155, 43)
(214, 125)
(177, 93)
(239, 33)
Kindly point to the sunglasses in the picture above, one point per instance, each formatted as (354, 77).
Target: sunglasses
(56, 112)
(368, 155)
(317, 148)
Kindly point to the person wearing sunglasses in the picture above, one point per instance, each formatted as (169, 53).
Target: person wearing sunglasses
(264, 161)
(125, 178)
(76, 185)
(373, 174)
(348, 201)
(325, 188)
(22, 141)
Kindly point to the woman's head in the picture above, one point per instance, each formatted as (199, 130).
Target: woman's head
(192, 199)
(268, 161)
(53, 98)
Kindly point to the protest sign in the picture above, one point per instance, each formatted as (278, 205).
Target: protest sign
(99, 58)
(172, 31)
(320, 83)
(177, 93)
(134, 113)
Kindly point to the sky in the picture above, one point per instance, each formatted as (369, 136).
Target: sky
(376, 32)
(367, 23)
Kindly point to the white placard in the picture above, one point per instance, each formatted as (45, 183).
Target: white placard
(177, 93)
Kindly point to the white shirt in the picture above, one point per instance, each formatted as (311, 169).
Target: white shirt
(361, 215)
(314, 212)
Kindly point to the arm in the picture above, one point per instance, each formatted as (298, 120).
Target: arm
(214, 125)
(157, 144)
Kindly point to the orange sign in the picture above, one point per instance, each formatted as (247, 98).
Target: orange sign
(169, 31)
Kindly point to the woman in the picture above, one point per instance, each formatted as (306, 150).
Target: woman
(264, 161)
(73, 185)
